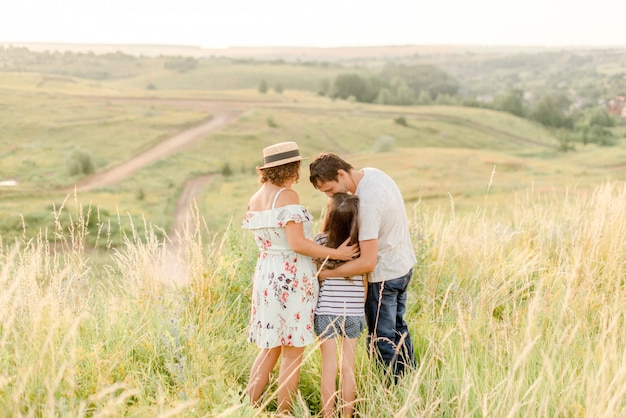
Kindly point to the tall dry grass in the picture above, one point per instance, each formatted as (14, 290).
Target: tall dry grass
(515, 311)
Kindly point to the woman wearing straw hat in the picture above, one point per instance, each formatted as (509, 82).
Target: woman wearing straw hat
(285, 285)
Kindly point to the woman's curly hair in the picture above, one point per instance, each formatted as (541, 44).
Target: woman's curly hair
(280, 174)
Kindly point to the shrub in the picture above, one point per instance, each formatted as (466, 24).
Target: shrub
(271, 123)
(79, 162)
(226, 170)
(384, 144)
(401, 121)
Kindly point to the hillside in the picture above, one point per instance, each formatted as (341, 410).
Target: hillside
(276, 53)
(126, 279)
(61, 129)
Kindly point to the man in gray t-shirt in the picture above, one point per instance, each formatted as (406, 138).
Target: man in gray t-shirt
(386, 253)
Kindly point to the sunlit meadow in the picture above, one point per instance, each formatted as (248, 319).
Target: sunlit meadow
(516, 312)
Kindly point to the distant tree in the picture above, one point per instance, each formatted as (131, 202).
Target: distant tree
(373, 85)
(448, 89)
(551, 111)
(512, 102)
(566, 140)
(371, 90)
(424, 98)
(263, 87)
(323, 87)
(404, 95)
(181, 64)
(596, 116)
(398, 93)
(347, 85)
(422, 78)
(617, 84)
(446, 100)
(591, 125)
(278, 88)
(385, 97)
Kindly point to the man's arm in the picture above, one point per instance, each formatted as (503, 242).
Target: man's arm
(365, 263)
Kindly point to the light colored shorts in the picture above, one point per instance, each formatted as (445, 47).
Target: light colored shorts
(331, 326)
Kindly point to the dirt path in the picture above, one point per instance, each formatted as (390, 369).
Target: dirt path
(222, 113)
(220, 118)
(183, 218)
(173, 269)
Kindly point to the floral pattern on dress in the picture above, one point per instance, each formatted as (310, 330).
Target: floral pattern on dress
(284, 292)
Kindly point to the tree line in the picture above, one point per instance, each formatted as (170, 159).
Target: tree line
(410, 85)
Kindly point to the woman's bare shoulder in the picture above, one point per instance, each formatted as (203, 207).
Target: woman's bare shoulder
(288, 197)
(259, 201)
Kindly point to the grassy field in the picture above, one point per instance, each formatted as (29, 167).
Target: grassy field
(516, 305)
(515, 312)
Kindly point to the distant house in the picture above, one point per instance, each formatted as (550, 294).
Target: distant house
(617, 106)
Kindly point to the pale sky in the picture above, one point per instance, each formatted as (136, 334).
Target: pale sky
(320, 23)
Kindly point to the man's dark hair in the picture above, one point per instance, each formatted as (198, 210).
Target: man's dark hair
(325, 167)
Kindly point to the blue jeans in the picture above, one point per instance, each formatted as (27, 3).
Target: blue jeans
(387, 332)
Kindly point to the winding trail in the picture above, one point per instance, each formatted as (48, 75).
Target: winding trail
(183, 218)
(220, 118)
(222, 113)
(173, 269)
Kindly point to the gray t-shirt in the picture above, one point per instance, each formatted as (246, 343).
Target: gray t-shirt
(382, 216)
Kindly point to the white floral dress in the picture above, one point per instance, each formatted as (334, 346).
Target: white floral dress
(284, 293)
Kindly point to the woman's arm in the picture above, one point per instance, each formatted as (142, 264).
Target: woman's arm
(358, 266)
(302, 245)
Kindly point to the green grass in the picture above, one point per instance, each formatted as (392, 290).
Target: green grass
(515, 307)
(445, 154)
(41, 130)
(213, 75)
(513, 312)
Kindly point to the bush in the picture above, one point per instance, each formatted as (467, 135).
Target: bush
(79, 162)
(271, 123)
(181, 64)
(226, 170)
(384, 144)
(401, 121)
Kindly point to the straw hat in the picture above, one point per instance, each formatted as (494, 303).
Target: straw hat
(279, 154)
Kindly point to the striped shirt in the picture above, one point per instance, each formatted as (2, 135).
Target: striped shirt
(338, 295)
